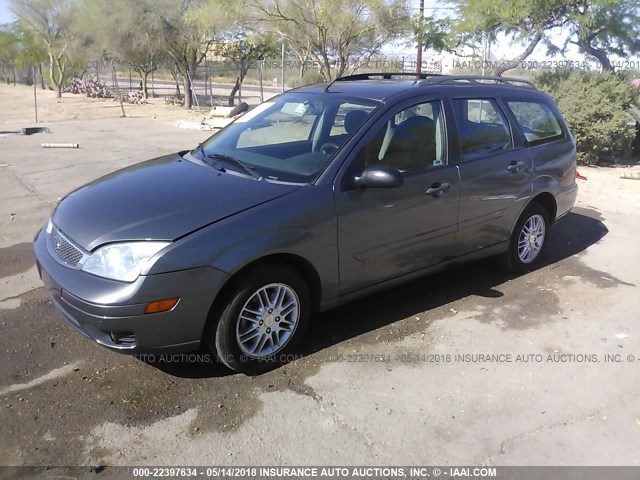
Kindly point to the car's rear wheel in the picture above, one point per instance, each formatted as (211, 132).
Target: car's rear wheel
(261, 320)
(528, 239)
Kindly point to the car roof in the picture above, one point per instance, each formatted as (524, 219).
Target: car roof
(381, 86)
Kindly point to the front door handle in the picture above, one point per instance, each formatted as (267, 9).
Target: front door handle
(437, 189)
(514, 167)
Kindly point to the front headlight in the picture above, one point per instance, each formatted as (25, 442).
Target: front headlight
(122, 261)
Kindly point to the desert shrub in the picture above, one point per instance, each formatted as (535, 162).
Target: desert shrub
(174, 100)
(136, 97)
(94, 88)
(75, 85)
(594, 105)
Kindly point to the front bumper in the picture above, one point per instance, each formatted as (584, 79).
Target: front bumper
(112, 313)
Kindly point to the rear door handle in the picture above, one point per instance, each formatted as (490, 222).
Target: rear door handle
(437, 189)
(514, 167)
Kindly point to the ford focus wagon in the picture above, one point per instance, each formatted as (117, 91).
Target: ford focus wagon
(313, 198)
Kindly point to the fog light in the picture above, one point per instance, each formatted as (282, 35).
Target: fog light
(161, 305)
(123, 338)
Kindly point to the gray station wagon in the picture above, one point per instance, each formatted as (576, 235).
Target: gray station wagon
(311, 199)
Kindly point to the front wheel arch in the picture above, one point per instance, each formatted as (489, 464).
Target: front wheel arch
(301, 265)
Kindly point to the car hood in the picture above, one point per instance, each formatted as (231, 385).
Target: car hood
(160, 199)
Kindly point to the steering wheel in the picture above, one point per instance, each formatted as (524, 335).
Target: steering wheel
(329, 148)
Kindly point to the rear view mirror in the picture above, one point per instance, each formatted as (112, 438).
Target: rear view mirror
(380, 176)
(296, 109)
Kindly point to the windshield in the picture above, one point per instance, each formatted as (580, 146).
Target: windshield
(290, 138)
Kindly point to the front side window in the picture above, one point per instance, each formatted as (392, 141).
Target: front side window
(348, 118)
(290, 138)
(412, 140)
(538, 122)
(482, 128)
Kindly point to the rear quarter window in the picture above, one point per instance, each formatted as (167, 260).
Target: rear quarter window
(538, 122)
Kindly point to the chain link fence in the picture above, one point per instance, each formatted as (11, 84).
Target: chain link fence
(212, 82)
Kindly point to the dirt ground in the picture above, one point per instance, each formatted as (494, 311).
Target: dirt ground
(564, 392)
(18, 108)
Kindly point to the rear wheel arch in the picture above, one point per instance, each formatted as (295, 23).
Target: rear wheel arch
(548, 201)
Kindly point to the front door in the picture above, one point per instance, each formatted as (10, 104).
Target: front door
(388, 232)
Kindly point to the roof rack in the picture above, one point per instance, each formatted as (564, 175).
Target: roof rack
(383, 75)
(435, 79)
(477, 79)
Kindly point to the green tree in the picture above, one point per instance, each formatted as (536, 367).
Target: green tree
(242, 50)
(32, 53)
(188, 29)
(602, 28)
(9, 52)
(335, 33)
(52, 22)
(430, 32)
(128, 32)
(525, 22)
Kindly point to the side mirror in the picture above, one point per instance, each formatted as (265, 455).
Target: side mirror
(380, 176)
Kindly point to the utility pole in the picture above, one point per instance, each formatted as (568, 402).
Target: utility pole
(282, 60)
(421, 27)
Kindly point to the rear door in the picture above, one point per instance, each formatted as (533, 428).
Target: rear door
(495, 173)
(388, 232)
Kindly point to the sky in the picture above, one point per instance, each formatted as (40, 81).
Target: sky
(6, 16)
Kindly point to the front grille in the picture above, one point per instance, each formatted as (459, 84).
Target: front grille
(66, 251)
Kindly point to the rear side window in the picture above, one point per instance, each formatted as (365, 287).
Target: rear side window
(482, 127)
(538, 122)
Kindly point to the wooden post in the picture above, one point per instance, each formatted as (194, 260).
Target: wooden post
(35, 92)
(261, 87)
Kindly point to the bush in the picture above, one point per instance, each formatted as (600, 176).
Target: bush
(94, 88)
(75, 86)
(594, 105)
(135, 97)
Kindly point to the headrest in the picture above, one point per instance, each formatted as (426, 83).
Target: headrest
(353, 120)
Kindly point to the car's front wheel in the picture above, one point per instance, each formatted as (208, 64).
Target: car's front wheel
(528, 239)
(261, 320)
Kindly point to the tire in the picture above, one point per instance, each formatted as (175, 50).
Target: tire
(517, 258)
(281, 328)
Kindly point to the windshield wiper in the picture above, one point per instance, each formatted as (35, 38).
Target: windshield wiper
(199, 153)
(226, 158)
(198, 149)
